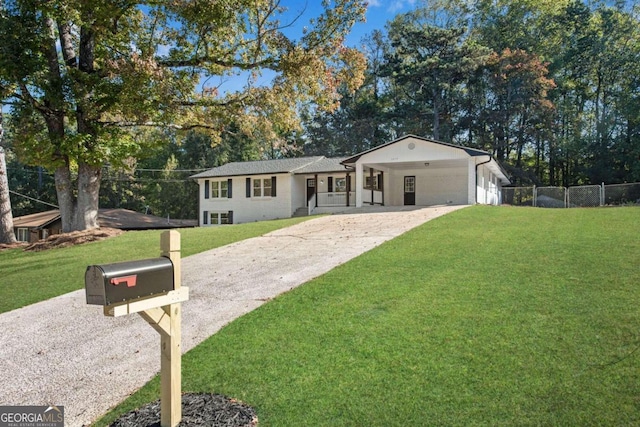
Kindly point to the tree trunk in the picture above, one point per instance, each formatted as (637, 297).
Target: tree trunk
(6, 217)
(88, 194)
(66, 200)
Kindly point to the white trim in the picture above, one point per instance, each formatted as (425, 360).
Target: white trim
(262, 188)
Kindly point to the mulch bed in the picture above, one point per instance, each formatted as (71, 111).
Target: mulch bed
(74, 238)
(63, 240)
(198, 410)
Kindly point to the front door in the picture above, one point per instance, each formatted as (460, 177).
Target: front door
(311, 189)
(409, 190)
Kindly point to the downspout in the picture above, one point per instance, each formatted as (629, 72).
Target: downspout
(476, 189)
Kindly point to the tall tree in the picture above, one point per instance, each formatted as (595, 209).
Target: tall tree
(6, 216)
(430, 64)
(81, 73)
(362, 121)
(519, 104)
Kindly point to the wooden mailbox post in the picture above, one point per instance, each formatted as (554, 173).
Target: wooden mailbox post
(164, 314)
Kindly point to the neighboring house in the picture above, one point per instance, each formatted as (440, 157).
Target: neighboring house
(407, 171)
(31, 228)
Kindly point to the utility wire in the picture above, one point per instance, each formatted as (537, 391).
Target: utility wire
(171, 170)
(35, 200)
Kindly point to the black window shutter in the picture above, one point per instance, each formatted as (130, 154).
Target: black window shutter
(229, 182)
(205, 217)
(349, 183)
(273, 186)
(330, 184)
(206, 188)
(230, 217)
(248, 187)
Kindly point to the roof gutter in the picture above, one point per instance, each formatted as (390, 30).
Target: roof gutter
(480, 164)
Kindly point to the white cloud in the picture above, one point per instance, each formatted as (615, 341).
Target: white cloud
(397, 5)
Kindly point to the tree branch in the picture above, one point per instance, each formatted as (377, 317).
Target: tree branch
(206, 60)
(129, 124)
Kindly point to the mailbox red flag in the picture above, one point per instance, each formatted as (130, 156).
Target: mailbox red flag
(130, 281)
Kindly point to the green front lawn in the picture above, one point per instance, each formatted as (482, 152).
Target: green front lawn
(30, 277)
(490, 316)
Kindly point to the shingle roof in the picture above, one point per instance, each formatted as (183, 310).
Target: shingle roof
(123, 219)
(324, 165)
(258, 167)
(36, 220)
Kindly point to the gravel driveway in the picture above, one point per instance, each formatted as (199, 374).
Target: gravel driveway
(65, 352)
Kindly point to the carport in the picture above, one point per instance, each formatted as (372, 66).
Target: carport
(417, 171)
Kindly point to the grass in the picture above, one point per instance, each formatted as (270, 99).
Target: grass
(487, 317)
(30, 277)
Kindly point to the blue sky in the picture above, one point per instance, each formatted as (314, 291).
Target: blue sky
(378, 13)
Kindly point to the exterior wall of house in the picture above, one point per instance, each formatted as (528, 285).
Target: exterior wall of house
(402, 151)
(247, 209)
(33, 234)
(436, 186)
(472, 190)
(298, 192)
(489, 188)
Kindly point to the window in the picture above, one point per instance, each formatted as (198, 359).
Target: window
(257, 188)
(23, 234)
(219, 189)
(341, 184)
(267, 187)
(409, 184)
(220, 218)
(264, 187)
(367, 182)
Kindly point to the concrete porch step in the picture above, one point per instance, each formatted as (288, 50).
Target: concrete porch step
(303, 211)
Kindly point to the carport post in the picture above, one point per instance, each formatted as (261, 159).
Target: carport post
(170, 344)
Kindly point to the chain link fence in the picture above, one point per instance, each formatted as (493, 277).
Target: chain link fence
(518, 196)
(622, 194)
(551, 197)
(584, 196)
(573, 197)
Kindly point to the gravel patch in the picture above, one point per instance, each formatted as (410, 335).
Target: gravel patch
(65, 352)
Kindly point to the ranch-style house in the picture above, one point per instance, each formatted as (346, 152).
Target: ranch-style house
(410, 170)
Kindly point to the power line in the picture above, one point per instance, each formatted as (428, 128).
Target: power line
(143, 180)
(35, 200)
(171, 170)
